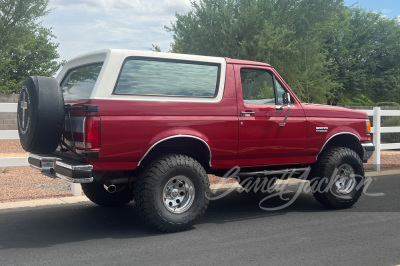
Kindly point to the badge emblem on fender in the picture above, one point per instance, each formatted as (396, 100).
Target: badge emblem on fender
(321, 129)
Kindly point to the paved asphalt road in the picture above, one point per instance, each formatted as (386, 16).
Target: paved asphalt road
(234, 231)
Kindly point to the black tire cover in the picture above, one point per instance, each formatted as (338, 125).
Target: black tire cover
(40, 114)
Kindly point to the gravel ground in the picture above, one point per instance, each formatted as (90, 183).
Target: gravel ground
(25, 183)
(11, 146)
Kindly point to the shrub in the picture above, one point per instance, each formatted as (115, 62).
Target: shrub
(361, 100)
(390, 121)
(391, 104)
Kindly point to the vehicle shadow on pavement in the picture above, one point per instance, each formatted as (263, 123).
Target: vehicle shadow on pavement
(53, 225)
(244, 206)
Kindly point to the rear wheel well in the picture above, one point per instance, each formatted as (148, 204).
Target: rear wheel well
(345, 140)
(192, 147)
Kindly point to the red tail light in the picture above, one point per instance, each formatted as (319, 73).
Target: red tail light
(92, 132)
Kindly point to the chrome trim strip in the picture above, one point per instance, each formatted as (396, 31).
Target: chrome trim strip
(74, 167)
(34, 156)
(341, 133)
(74, 180)
(171, 137)
(275, 172)
(41, 158)
(46, 163)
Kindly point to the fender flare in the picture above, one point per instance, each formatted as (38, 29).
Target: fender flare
(335, 135)
(172, 137)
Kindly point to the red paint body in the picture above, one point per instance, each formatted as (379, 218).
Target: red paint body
(130, 128)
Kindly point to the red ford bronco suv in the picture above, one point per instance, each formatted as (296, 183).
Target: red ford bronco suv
(149, 127)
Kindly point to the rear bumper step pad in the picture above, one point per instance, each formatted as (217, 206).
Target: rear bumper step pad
(74, 172)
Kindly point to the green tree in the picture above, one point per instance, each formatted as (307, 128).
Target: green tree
(326, 51)
(289, 34)
(26, 47)
(155, 48)
(367, 56)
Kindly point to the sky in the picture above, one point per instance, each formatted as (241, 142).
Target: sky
(389, 8)
(82, 26)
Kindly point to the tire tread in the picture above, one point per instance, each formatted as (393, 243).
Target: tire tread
(325, 164)
(145, 190)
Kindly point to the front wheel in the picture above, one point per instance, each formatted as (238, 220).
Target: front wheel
(337, 178)
(171, 193)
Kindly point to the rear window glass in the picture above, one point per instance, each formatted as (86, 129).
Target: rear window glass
(79, 82)
(168, 78)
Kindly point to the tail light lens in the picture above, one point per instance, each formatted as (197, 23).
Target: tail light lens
(368, 124)
(92, 132)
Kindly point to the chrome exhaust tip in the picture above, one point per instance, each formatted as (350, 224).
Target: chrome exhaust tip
(110, 188)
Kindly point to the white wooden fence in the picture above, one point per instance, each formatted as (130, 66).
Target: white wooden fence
(76, 189)
(376, 113)
(377, 130)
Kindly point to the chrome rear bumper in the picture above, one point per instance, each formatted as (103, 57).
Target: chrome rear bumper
(54, 167)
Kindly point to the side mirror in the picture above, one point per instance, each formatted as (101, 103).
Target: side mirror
(286, 98)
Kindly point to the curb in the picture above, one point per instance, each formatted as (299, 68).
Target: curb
(43, 202)
(382, 173)
(80, 199)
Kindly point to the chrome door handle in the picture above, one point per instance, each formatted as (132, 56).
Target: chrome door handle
(246, 113)
(279, 107)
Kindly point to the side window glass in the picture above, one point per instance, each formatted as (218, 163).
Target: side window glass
(280, 92)
(257, 86)
(143, 76)
(79, 82)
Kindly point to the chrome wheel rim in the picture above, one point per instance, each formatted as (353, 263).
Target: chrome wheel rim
(178, 194)
(345, 180)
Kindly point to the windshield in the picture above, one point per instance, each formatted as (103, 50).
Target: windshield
(79, 82)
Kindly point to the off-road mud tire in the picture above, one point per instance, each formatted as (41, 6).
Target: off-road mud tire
(151, 186)
(326, 169)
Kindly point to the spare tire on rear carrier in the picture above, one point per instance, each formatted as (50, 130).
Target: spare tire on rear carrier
(40, 114)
